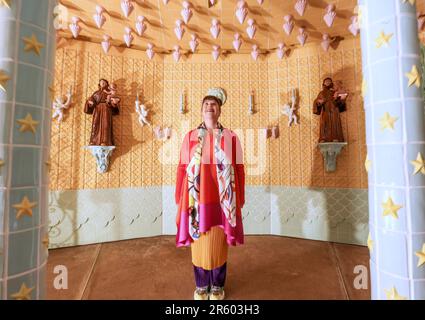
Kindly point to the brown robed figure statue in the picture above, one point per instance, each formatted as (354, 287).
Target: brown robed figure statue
(329, 104)
(103, 104)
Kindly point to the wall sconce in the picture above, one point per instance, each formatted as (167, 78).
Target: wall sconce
(162, 134)
(251, 102)
(272, 132)
(182, 103)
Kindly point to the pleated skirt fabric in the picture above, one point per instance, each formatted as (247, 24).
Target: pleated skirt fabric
(210, 250)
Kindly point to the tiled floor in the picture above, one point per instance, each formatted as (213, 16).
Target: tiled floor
(265, 267)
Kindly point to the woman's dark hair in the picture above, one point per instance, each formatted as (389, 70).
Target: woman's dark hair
(212, 98)
(107, 83)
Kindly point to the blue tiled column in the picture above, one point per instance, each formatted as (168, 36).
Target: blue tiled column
(396, 148)
(27, 46)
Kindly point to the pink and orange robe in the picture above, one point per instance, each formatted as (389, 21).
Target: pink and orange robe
(210, 250)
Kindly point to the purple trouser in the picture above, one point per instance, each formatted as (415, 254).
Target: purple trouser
(209, 278)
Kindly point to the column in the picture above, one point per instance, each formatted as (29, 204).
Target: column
(27, 47)
(396, 148)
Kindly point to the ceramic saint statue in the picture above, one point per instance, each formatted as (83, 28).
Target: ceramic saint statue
(328, 105)
(103, 104)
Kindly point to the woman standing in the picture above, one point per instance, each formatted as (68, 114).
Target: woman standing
(210, 192)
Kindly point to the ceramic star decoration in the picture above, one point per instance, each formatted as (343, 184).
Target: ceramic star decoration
(393, 294)
(32, 44)
(25, 207)
(367, 163)
(3, 80)
(27, 124)
(46, 241)
(370, 242)
(414, 77)
(390, 208)
(387, 121)
(383, 39)
(24, 293)
(421, 256)
(364, 88)
(419, 164)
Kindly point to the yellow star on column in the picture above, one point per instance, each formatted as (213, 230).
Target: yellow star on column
(383, 39)
(5, 3)
(32, 44)
(46, 241)
(24, 293)
(412, 2)
(421, 256)
(387, 122)
(370, 242)
(364, 88)
(390, 208)
(25, 207)
(1, 163)
(367, 163)
(393, 294)
(419, 164)
(3, 80)
(28, 124)
(414, 77)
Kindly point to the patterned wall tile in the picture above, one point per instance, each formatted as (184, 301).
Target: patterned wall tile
(287, 161)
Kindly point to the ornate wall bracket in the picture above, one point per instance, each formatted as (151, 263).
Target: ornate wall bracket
(330, 150)
(102, 155)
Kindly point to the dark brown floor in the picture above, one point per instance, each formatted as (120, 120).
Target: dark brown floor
(265, 267)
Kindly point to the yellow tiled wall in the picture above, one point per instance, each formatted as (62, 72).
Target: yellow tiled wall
(139, 160)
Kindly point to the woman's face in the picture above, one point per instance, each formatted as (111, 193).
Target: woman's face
(211, 110)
